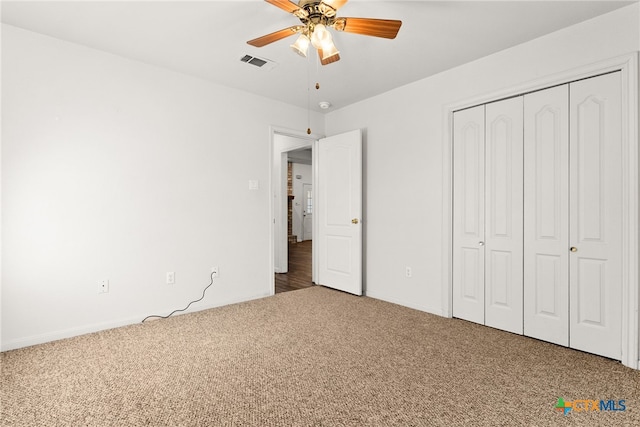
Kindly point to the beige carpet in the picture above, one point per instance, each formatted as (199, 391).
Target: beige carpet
(312, 357)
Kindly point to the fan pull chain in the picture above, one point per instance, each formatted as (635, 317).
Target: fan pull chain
(317, 89)
(308, 97)
(318, 78)
(308, 94)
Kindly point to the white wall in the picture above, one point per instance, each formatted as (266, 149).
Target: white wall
(403, 143)
(305, 172)
(114, 169)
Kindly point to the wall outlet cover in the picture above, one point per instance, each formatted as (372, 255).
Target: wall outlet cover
(171, 278)
(103, 286)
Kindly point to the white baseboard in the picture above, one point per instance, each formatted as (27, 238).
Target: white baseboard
(101, 326)
(410, 304)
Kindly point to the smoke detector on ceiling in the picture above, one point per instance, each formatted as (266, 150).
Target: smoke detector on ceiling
(324, 104)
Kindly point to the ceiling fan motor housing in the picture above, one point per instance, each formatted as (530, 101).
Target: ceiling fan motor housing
(313, 12)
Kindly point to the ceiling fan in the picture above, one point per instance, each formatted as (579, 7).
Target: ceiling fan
(316, 17)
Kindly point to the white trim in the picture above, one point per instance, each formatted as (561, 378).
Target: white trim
(630, 280)
(315, 263)
(411, 304)
(628, 65)
(447, 212)
(103, 326)
(306, 141)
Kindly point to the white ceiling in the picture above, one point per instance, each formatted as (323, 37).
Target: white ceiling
(206, 39)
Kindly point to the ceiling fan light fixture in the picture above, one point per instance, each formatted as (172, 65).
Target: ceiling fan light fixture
(320, 36)
(316, 17)
(301, 45)
(329, 50)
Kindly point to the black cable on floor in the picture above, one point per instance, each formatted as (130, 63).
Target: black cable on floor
(182, 309)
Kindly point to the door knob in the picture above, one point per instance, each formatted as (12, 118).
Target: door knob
(573, 249)
(481, 243)
(354, 221)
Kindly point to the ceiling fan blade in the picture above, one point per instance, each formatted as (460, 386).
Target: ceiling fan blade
(387, 28)
(329, 60)
(274, 37)
(335, 4)
(285, 5)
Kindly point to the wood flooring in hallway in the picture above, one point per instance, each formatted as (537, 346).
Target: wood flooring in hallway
(299, 275)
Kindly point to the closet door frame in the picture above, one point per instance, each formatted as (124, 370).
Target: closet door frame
(628, 66)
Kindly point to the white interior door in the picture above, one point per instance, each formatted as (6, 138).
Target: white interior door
(503, 215)
(307, 212)
(468, 214)
(546, 207)
(339, 212)
(596, 215)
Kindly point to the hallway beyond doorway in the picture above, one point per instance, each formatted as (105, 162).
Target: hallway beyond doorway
(299, 275)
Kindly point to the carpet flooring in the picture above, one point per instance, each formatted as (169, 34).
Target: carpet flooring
(312, 357)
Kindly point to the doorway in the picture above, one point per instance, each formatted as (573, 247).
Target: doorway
(336, 194)
(292, 168)
(299, 222)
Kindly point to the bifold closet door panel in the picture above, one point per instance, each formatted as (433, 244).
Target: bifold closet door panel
(468, 214)
(503, 214)
(546, 215)
(596, 215)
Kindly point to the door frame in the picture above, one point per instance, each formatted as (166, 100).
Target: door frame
(628, 66)
(276, 219)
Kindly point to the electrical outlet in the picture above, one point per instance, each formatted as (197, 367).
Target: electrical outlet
(171, 278)
(408, 272)
(215, 272)
(103, 286)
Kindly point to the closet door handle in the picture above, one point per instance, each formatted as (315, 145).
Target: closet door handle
(481, 243)
(573, 249)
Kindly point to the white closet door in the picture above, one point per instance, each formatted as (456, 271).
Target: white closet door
(596, 215)
(503, 215)
(468, 214)
(546, 207)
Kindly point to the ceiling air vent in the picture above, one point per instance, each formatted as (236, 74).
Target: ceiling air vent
(259, 62)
